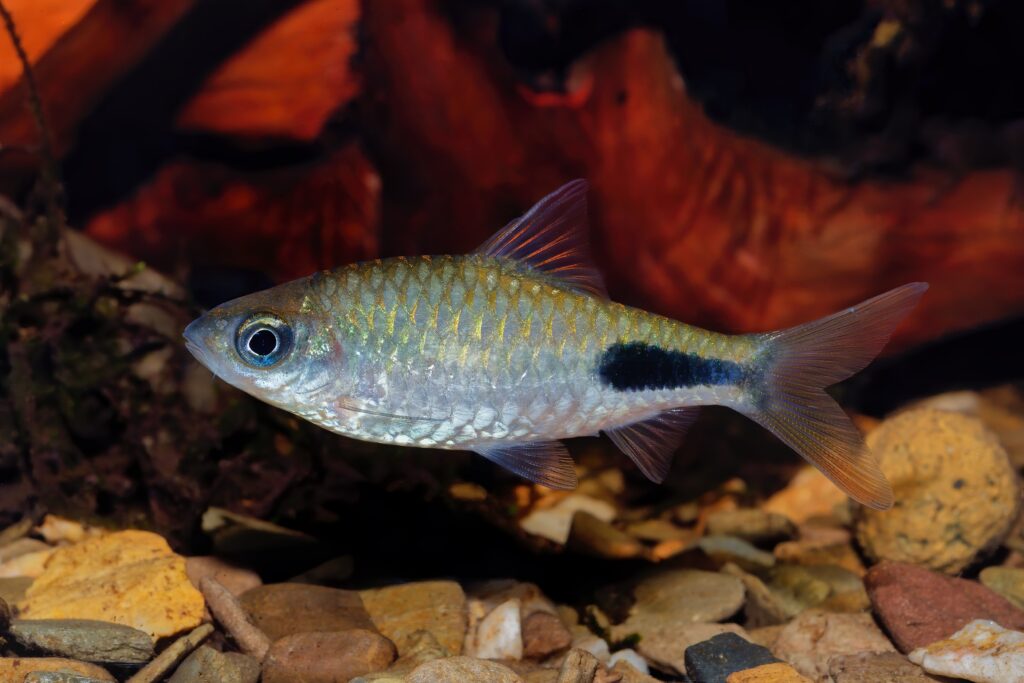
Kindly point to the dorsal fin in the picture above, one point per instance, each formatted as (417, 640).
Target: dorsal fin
(552, 238)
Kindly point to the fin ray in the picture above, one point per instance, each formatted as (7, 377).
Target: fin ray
(552, 238)
(542, 462)
(652, 443)
(802, 361)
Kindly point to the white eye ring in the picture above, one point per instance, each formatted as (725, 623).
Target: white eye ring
(263, 340)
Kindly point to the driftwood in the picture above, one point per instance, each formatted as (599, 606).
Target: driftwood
(442, 142)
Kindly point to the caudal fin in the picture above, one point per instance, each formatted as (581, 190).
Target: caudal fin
(801, 361)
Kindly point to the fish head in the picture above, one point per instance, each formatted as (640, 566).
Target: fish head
(276, 345)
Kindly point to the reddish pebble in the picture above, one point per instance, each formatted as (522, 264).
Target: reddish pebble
(918, 606)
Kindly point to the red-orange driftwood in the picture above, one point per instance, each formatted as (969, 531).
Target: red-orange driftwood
(692, 220)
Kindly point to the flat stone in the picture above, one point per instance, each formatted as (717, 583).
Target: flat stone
(630, 674)
(327, 657)
(236, 579)
(723, 549)
(808, 495)
(982, 651)
(555, 522)
(462, 670)
(16, 668)
(543, 635)
(207, 665)
(751, 524)
(129, 577)
(814, 637)
(657, 530)
(22, 546)
(1007, 581)
(595, 536)
(919, 607)
(435, 606)
(282, 609)
(713, 660)
(957, 491)
(58, 677)
(674, 607)
(84, 639)
(870, 667)
(768, 673)
(13, 590)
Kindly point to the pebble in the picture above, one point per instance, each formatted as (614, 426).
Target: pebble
(13, 590)
(555, 522)
(595, 645)
(1007, 581)
(918, 606)
(129, 577)
(327, 657)
(827, 586)
(579, 667)
(956, 491)
(30, 565)
(711, 661)
(462, 670)
(87, 640)
(811, 551)
(594, 536)
(723, 549)
(657, 530)
(165, 662)
(768, 673)
(237, 534)
(15, 669)
(808, 495)
(58, 677)
(230, 614)
(813, 637)
(423, 647)
(281, 609)
(764, 607)
(982, 652)
(435, 606)
(665, 647)
(207, 665)
(236, 579)
(751, 524)
(62, 530)
(671, 606)
(631, 656)
(869, 667)
(544, 634)
(499, 634)
(630, 674)
(22, 546)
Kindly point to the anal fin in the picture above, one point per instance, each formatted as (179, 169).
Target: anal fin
(542, 462)
(651, 443)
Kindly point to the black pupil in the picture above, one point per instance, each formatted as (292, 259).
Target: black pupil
(263, 342)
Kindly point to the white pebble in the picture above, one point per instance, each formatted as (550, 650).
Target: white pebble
(631, 657)
(499, 635)
(982, 652)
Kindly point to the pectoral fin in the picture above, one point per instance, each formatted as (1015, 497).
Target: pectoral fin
(543, 462)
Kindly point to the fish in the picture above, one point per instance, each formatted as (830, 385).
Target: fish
(510, 349)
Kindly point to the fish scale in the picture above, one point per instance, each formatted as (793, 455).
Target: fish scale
(510, 349)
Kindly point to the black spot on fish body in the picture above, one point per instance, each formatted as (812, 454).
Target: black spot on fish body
(636, 366)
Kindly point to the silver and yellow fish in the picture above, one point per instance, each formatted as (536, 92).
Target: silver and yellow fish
(509, 349)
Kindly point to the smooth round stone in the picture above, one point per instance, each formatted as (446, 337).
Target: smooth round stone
(207, 665)
(751, 524)
(281, 609)
(958, 493)
(724, 549)
(814, 637)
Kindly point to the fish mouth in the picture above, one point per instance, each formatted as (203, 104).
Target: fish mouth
(194, 342)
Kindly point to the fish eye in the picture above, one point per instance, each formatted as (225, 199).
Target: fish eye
(263, 340)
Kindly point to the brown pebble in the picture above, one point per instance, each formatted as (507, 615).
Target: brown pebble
(778, 672)
(281, 609)
(236, 579)
(235, 620)
(327, 657)
(579, 667)
(918, 606)
(544, 634)
(172, 656)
